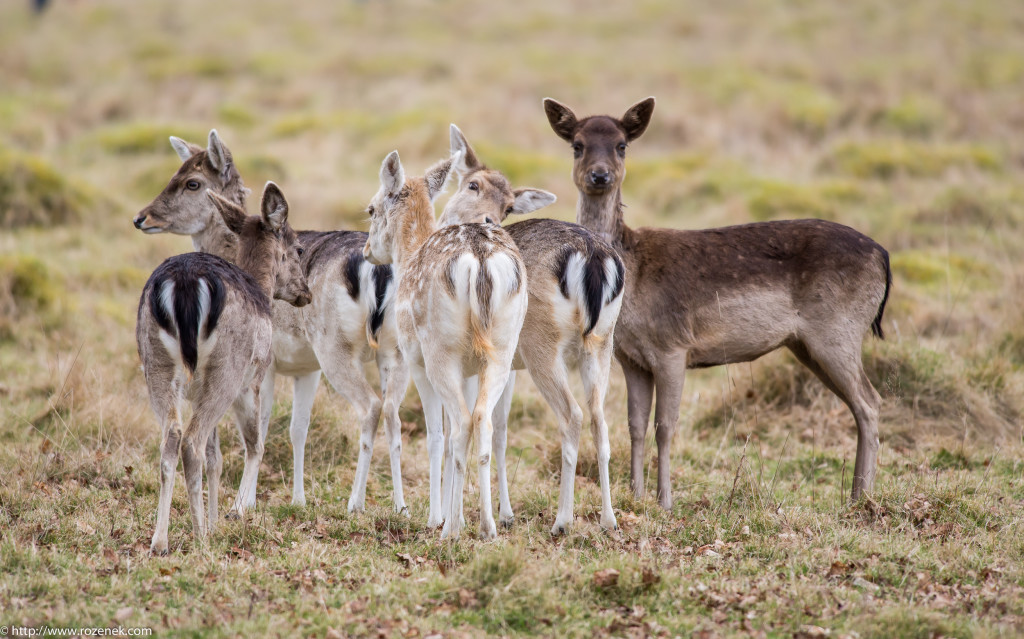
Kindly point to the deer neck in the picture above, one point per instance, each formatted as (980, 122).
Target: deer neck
(254, 260)
(216, 238)
(602, 214)
(412, 233)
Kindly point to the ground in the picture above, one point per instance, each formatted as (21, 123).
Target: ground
(901, 120)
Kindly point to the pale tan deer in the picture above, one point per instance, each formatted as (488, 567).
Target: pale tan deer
(204, 333)
(704, 298)
(349, 322)
(460, 305)
(574, 281)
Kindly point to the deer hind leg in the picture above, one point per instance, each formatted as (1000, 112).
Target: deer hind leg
(446, 378)
(302, 409)
(214, 467)
(500, 420)
(165, 398)
(247, 415)
(639, 392)
(394, 380)
(210, 400)
(841, 369)
(668, 383)
(432, 414)
(345, 373)
(594, 370)
(493, 380)
(266, 410)
(552, 379)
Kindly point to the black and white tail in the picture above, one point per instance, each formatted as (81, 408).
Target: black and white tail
(592, 279)
(183, 306)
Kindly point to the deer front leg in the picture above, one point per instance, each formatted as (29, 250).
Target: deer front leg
(669, 384)
(500, 419)
(640, 392)
(302, 409)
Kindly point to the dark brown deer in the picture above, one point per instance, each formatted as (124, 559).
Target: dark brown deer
(204, 333)
(695, 299)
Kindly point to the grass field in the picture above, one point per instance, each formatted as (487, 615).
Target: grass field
(903, 120)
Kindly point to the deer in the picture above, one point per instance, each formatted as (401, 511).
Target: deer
(574, 282)
(702, 298)
(349, 322)
(460, 306)
(204, 333)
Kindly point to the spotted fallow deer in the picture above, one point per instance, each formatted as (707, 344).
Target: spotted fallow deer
(204, 333)
(460, 306)
(695, 299)
(574, 281)
(349, 322)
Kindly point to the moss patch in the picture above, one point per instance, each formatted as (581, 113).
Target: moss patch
(34, 193)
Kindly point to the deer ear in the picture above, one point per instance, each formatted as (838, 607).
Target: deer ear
(274, 207)
(183, 148)
(529, 200)
(468, 161)
(437, 175)
(219, 156)
(561, 118)
(392, 175)
(637, 117)
(233, 214)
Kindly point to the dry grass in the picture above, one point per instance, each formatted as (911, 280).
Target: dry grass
(902, 121)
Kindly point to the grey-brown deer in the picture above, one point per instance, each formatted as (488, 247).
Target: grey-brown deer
(704, 298)
(204, 333)
(575, 292)
(349, 322)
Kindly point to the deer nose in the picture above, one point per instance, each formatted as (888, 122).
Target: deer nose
(139, 220)
(600, 178)
(304, 298)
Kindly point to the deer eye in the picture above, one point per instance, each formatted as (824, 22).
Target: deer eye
(192, 185)
(621, 148)
(473, 186)
(370, 210)
(488, 220)
(577, 149)
(508, 211)
(300, 251)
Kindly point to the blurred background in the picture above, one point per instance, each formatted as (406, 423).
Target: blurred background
(903, 121)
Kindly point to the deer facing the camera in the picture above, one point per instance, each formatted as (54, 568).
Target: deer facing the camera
(574, 281)
(460, 305)
(704, 298)
(204, 333)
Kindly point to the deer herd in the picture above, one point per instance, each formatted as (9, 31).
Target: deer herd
(459, 303)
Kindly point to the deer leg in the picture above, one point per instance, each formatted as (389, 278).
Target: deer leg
(247, 415)
(669, 384)
(345, 373)
(639, 392)
(500, 419)
(446, 376)
(170, 446)
(841, 369)
(302, 409)
(394, 380)
(432, 414)
(214, 467)
(594, 370)
(493, 380)
(470, 389)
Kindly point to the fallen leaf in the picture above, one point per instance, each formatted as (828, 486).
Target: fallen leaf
(46, 446)
(861, 582)
(467, 598)
(85, 528)
(606, 577)
(122, 614)
(648, 577)
(334, 634)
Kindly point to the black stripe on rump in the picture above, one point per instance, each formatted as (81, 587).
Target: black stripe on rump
(381, 278)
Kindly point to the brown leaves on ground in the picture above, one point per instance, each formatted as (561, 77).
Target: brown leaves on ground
(606, 578)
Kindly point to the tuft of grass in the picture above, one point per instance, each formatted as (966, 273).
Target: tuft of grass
(888, 159)
(143, 137)
(776, 199)
(932, 269)
(915, 115)
(34, 193)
